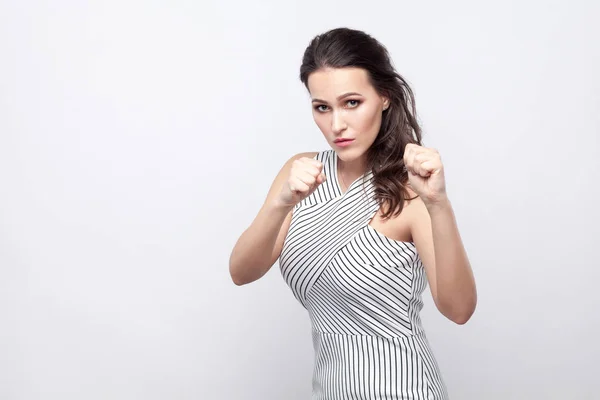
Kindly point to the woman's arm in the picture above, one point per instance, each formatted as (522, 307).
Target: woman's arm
(261, 243)
(436, 236)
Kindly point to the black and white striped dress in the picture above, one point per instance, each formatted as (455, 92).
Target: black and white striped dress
(363, 294)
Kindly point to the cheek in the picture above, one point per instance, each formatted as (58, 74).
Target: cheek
(321, 121)
(368, 120)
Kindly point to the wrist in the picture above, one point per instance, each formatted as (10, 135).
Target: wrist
(280, 207)
(440, 205)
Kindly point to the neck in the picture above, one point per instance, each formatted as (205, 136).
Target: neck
(349, 171)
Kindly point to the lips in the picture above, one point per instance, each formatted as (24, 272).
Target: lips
(343, 142)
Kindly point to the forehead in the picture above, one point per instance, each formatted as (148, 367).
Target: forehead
(328, 83)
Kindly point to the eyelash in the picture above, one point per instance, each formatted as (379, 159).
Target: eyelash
(323, 105)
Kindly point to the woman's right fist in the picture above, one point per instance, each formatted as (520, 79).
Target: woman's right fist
(305, 176)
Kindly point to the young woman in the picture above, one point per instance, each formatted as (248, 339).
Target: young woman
(361, 229)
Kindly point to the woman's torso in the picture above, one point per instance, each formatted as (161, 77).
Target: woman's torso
(362, 290)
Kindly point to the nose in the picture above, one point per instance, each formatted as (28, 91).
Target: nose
(337, 123)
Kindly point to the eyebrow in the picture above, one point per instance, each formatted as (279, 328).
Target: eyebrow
(340, 97)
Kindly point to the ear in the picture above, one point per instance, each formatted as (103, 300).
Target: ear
(386, 103)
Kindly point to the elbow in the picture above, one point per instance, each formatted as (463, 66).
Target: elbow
(461, 318)
(234, 273)
(244, 271)
(239, 273)
(459, 313)
(237, 279)
(238, 282)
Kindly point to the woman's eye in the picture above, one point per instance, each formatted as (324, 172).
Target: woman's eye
(353, 103)
(321, 108)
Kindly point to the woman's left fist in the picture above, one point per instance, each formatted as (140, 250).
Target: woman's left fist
(425, 173)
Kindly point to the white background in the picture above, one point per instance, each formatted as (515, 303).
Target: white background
(139, 138)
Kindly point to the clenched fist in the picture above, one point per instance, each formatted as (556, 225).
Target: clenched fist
(425, 173)
(305, 176)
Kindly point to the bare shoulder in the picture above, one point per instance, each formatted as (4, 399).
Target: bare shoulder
(400, 227)
(419, 221)
(416, 211)
(414, 201)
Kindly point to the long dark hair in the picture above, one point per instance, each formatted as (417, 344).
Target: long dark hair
(344, 47)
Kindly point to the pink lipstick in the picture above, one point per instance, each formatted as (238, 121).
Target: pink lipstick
(343, 142)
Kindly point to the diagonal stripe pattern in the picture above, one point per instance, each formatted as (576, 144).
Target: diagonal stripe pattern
(363, 293)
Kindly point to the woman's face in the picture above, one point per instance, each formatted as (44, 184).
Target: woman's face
(347, 109)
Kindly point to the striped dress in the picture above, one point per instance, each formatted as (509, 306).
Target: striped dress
(362, 291)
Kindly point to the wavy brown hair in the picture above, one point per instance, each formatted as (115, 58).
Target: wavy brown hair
(344, 47)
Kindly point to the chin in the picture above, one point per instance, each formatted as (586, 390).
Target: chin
(350, 154)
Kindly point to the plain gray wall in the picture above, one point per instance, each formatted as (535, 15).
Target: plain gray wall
(139, 138)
